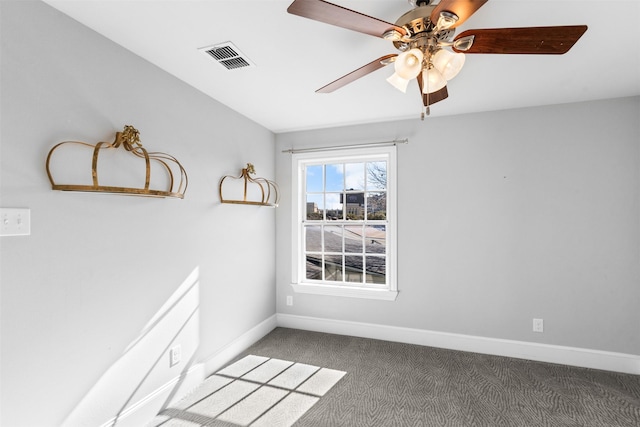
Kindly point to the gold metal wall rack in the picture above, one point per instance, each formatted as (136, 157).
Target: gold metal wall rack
(129, 139)
(268, 190)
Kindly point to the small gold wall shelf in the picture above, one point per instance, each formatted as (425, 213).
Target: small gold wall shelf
(262, 192)
(129, 139)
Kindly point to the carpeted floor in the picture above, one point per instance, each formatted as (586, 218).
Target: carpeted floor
(392, 384)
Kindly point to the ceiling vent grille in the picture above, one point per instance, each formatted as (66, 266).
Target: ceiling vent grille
(229, 56)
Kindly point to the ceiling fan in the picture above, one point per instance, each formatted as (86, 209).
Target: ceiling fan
(428, 49)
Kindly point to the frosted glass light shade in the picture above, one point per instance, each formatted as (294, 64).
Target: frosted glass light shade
(448, 63)
(409, 64)
(398, 82)
(432, 80)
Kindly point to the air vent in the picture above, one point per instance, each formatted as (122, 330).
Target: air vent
(228, 55)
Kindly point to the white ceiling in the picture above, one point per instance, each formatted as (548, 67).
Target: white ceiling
(294, 56)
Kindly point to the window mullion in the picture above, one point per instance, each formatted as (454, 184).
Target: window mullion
(363, 250)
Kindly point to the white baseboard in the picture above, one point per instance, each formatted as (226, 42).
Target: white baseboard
(596, 359)
(175, 389)
(145, 409)
(586, 358)
(223, 356)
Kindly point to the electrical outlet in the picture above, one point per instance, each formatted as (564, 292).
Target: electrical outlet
(289, 300)
(538, 325)
(175, 355)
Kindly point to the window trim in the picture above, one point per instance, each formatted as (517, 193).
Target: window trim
(298, 161)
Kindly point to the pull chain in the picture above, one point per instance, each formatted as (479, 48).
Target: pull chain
(427, 108)
(425, 112)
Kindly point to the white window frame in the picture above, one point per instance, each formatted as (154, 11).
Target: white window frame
(298, 203)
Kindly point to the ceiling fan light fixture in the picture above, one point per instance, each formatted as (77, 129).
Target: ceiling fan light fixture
(422, 32)
(432, 80)
(398, 82)
(409, 64)
(448, 63)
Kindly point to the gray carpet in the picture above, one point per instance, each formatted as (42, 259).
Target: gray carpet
(391, 384)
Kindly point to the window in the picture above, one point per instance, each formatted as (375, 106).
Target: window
(344, 223)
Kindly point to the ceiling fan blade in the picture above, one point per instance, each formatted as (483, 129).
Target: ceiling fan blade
(463, 8)
(330, 13)
(355, 75)
(526, 40)
(433, 97)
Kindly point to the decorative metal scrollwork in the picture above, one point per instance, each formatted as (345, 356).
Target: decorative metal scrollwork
(268, 190)
(129, 139)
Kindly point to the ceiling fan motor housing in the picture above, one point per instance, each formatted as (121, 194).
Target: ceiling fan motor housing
(422, 35)
(415, 3)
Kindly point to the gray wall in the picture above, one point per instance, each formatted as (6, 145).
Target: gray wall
(84, 287)
(503, 217)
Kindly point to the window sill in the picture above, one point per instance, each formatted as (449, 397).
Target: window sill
(343, 291)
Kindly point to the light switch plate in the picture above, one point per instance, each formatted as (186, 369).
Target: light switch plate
(15, 221)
